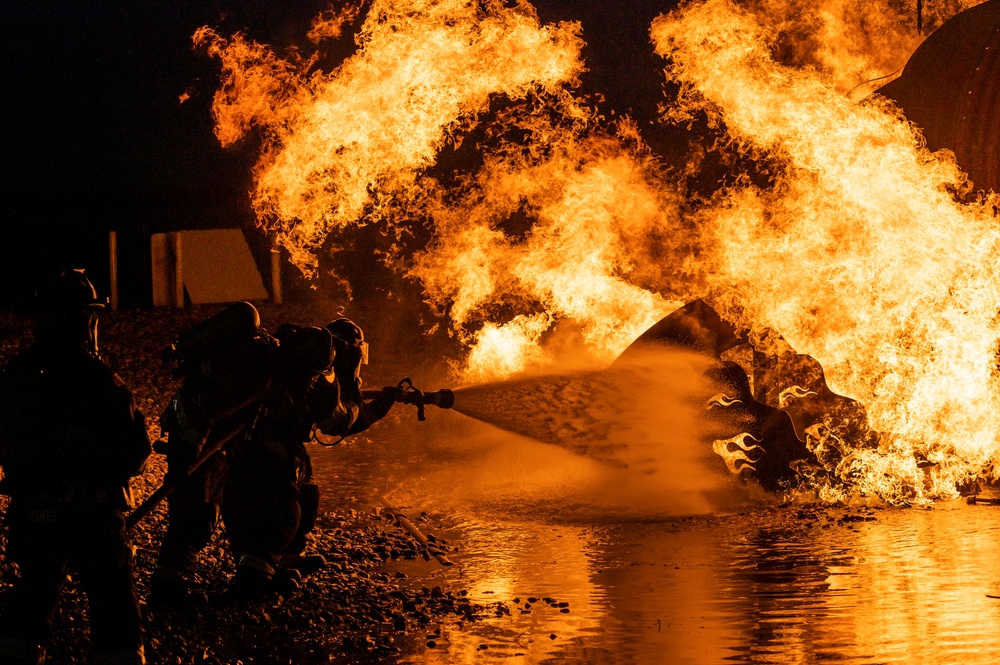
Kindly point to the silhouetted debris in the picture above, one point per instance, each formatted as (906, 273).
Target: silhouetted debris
(845, 519)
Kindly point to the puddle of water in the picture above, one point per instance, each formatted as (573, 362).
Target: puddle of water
(766, 585)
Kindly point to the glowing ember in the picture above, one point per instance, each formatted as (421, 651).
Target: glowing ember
(858, 254)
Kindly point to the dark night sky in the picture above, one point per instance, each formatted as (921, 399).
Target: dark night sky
(94, 137)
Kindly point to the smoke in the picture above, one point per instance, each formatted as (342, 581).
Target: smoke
(631, 440)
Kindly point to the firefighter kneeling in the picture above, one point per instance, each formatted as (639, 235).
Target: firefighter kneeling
(236, 433)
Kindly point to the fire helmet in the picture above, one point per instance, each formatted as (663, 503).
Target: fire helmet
(71, 291)
(67, 308)
(308, 349)
(349, 340)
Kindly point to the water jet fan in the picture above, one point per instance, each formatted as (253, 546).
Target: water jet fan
(690, 388)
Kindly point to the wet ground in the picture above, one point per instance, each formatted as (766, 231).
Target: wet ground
(763, 583)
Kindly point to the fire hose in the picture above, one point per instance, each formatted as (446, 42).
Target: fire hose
(213, 443)
(401, 519)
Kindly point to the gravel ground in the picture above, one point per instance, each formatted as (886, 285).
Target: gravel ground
(353, 610)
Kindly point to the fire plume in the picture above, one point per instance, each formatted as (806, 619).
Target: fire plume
(341, 144)
(855, 246)
(858, 254)
(595, 202)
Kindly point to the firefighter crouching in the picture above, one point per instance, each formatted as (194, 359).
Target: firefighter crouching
(70, 439)
(228, 363)
(271, 501)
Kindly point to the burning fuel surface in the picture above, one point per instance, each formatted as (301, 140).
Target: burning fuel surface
(831, 227)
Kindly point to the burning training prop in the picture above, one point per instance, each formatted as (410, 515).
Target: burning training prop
(857, 253)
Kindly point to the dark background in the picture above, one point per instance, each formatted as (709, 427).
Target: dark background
(95, 137)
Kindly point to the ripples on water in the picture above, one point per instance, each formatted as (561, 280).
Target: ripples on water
(909, 587)
(765, 585)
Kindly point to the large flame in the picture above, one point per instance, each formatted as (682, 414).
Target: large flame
(351, 139)
(595, 203)
(858, 254)
(855, 251)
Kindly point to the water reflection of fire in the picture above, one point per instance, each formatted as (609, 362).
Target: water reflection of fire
(851, 244)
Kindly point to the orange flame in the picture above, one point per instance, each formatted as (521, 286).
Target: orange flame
(734, 450)
(858, 254)
(721, 399)
(330, 23)
(507, 349)
(855, 46)
(342, 144)
(593, 202)
(792, 392)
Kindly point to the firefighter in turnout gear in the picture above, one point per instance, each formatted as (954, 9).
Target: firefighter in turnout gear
(228, 363)
(269, 494)
(70, 439)
(271, 501)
